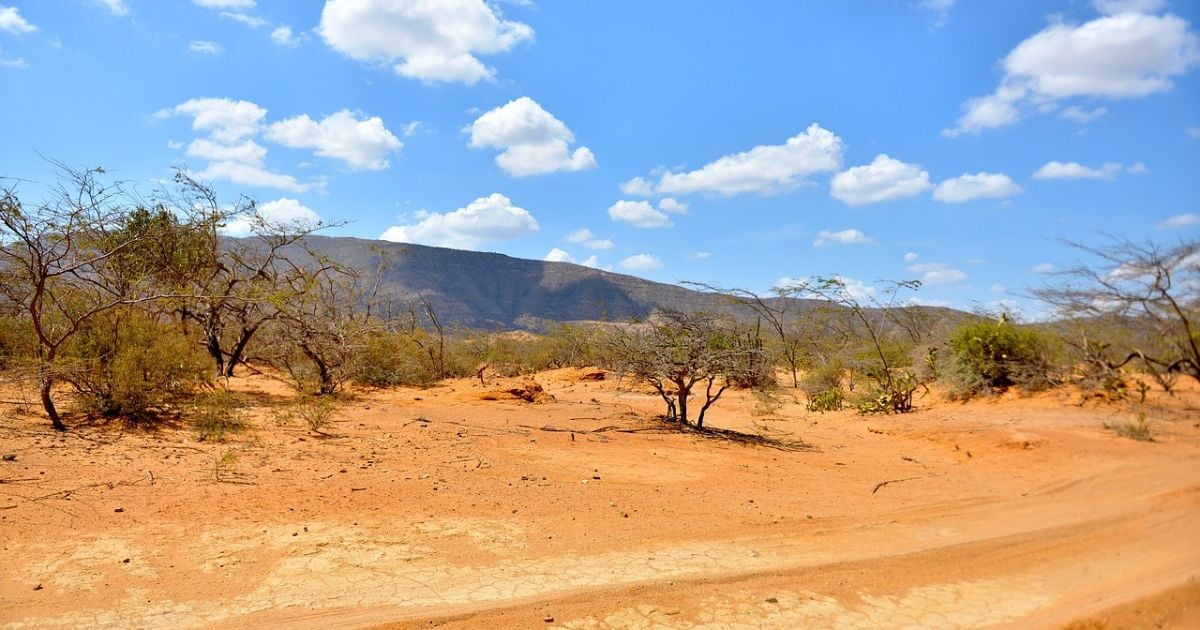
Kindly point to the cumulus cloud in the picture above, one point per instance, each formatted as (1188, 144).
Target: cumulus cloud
(205, 47)
(283, 36)
(487, 219)
(253, 21)
(12, 22)
(115, 7)
(764, 169)
(361, 143)
(431, 41)
(641, 262)
(911, 257)
(591, 261)
(638, 213)
(1082, 116)
(968, 187)
(1125, 53)
(1042, 268)
(224, 4)
(937, 273)
(585, 237)
(851, 236)
(1074, 170)
(1179, 221)
(226, 120)
(884, 179)
(672, 205)
(639, 187)
(282, 213)
(531, 139)
(558, 255)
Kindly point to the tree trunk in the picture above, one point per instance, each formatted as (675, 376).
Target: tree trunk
(239, 349)
(48, 402)
(683, 396)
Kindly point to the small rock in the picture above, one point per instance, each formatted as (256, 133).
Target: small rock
(549, 619)
(119, 510)
(596, 477)
(752, 553)
(125, 561)
(38, 587)
(772, 600)
(10, 457)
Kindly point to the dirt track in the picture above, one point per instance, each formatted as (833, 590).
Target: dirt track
(1021, 512)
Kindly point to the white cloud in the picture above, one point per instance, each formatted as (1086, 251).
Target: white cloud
(1074, 170)
(911, 257)
(639, 187)
(1122, 55)
(638, 213)
(764, 169)
(967, 187)
(413, 127)
(228, 121)
(1113, 7)
(1179, 221)
(204, 47)
(997, 288)
(15, 63)
(1137, 168)
(284, 212)
(585, 237)
(591, 261)
(1082, 116)
(249, 151)
(224, 4)
(363, 144)
(283, 36)
(250, 174)
(431, 41)
(884, 179)
(1042, 268)
(558, 255)
(844, 237)
(11, 21)
(701, 255)
(253, 21)
(937, 273)
(487, 219)
(1193, 132)
(115, 7)
(672, 205)
(641, 262)
(532, 140)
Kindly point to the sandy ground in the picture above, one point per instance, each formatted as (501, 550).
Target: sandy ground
(455, 508)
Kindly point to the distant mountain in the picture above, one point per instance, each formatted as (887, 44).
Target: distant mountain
(494, 291)
(486, 290)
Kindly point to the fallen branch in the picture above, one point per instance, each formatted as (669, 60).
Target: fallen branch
(884, 483)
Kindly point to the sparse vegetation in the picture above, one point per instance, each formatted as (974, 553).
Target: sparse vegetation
(1135, 430)
(216, 415)
(994, 354)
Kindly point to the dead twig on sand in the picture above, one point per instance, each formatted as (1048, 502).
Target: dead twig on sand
(884, 483)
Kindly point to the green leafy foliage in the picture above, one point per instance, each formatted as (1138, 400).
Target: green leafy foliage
(992, 355)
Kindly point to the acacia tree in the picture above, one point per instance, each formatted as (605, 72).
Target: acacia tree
(678, 351)
(1151, 289)
(879, 319)
(780, 314)
(70, 260)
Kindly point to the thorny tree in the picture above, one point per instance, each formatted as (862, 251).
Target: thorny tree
(67, 261)
(1152, 289)
(678, 351)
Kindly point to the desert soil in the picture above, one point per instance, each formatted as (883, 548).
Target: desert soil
(462, 506)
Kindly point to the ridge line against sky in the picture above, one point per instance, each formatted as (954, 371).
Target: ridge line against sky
(735, 143)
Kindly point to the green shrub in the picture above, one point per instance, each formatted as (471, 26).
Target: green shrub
(127, 365)
(392, 359)
(315, 412)
(828, 400)
(217, 414)
(995, 355)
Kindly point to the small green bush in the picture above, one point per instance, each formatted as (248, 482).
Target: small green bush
(315, 412)
(217, 414)
(828, 400)
(392, 359)
(995, 355)
(127, 365)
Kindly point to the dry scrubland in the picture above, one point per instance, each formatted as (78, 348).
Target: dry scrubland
(466, 505)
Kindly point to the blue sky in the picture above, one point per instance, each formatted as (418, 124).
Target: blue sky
(728, 142)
